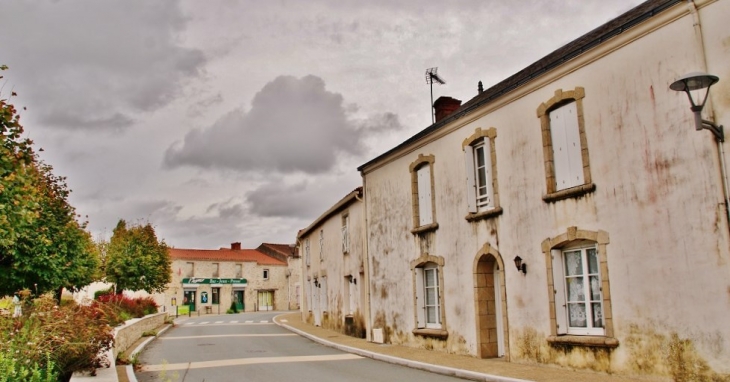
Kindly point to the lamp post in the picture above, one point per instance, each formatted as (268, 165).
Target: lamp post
(697, 87)
(695, 84)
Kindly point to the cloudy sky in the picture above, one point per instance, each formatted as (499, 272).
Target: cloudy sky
(241, 120)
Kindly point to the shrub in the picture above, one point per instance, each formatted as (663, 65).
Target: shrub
(129, 307)
(234, 308)
(104, 292)
(13, 369)
(59, 339)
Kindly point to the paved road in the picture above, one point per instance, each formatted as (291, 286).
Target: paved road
(250, 347)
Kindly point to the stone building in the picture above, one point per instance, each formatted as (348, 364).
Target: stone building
(568, 215)
(213, 281)
(333, 267)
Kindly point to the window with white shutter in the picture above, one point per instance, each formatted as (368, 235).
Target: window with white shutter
(565, 148)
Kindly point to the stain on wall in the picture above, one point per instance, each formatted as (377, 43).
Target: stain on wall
(654, 353)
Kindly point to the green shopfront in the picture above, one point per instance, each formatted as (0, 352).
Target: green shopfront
(213, 295)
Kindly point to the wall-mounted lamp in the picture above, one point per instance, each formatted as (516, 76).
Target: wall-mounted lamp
(521, 267)
(316, 283)
(699, 83)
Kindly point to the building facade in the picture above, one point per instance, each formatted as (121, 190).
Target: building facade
(333, 268)
(586, 169)
(214, 281)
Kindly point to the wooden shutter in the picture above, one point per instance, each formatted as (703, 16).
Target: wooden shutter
(568, 160)
(425, 212)
(561, 314)
(420, 299)
(325, 301)
(488, 170)
(471, 187)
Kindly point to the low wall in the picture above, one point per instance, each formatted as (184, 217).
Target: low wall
(131, 331)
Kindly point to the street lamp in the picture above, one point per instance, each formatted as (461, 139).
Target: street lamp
(697, 86)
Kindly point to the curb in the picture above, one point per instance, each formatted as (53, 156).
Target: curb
(443, 370)
(130, 368)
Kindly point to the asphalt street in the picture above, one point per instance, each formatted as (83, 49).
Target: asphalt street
(251, 347)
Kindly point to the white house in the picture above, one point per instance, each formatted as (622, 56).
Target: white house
(587, 168)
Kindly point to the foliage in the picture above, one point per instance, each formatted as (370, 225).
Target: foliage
(47, 336)
(149, 333)
(42, 245)
(119, 308)
(103, 292)
(233, 307)
(16, 370)
(136, 260)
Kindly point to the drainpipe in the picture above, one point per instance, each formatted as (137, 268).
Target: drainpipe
(369, 320)
(700, 45)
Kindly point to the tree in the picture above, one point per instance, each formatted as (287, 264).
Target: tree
(42, 245)
(136, 260)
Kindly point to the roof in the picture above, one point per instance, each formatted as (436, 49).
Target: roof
(284, 249)
(224, 254)
(339, 206)
(577, 47)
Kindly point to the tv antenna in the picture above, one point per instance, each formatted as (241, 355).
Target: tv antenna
(431, 77)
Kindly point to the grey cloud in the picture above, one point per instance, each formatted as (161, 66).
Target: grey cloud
(96, 64)
(294, 125)
(227, 210)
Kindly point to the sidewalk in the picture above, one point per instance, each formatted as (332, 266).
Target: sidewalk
(467, 367)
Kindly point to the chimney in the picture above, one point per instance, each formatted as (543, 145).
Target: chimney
(444, 106)
(236, 246)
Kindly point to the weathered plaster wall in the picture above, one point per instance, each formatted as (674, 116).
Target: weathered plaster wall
(341, 271)
(658, 197)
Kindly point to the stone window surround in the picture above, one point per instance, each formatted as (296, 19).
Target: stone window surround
(422, 160)
(563, 240)
(490, 133)
(543, 112)
(442, 333)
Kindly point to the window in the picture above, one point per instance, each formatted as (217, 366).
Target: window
(422, 188)
(579, 288)
(239, 271)
(266, 274)
(428, 297)
(345, 233)
(565, 147)
(481, 179)
(216, 270)
(581, 284)
(321, 245)
(216, 296)
(306, 251)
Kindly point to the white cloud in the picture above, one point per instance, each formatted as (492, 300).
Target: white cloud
(294, 125)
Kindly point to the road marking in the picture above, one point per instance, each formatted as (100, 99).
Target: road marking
(230, 323)
(219, 322)
(190, 323)
(204, 322)
(249, 321)
(264, 321)
(284, 320)
(248, 361)
(229, 335)
(234, 322)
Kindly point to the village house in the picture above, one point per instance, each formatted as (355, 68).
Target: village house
(333, 269)
(213, 281)
(569, 215)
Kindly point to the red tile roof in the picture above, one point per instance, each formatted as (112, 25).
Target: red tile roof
(223, 254)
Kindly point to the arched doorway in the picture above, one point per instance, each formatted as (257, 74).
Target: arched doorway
(491, 305)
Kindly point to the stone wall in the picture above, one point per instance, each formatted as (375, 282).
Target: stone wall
(132, 330)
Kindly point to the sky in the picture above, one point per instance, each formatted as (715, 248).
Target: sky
(243, 121)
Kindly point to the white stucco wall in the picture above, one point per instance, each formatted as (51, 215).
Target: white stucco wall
(341, 270)
(658, 197)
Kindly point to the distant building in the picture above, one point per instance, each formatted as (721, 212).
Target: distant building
(213, 281)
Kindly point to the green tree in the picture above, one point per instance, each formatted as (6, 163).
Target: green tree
(42, 245)
(136, 260)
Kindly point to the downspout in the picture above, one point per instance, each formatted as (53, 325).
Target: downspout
(700, 44)
(369, 320)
